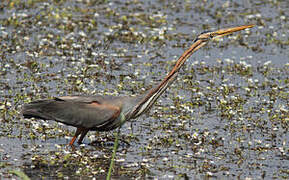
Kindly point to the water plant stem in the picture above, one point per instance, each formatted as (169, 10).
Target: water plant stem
(115, 146)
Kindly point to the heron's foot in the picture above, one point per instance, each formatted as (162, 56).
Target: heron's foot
(70, 147)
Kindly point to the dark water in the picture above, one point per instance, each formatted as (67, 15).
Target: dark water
(226, 116)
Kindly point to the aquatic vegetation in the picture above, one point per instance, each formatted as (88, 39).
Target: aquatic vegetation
(226, 115)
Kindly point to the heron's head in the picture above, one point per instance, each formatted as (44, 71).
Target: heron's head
(208, 35)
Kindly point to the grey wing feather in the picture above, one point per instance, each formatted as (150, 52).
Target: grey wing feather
(87, 112)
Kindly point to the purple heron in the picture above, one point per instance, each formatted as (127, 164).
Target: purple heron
(104, 113)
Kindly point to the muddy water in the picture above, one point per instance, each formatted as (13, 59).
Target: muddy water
(226, 116)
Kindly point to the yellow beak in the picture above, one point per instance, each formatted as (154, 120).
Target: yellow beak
(227, 31)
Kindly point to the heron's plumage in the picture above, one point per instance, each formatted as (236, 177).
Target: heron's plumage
(92, 112)
(105, 113)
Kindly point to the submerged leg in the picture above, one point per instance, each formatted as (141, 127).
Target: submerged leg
(78, 131)
(83, 133)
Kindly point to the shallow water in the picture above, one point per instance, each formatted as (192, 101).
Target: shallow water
(226, 116)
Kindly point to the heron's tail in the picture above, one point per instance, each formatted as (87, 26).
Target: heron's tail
(35, 109)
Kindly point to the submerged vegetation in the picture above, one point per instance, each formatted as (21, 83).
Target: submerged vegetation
(226, 116)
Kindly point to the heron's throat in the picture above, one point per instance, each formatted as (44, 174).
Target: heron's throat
(153, 94)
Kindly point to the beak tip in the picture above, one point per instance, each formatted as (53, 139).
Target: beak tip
(224, 32)
(250, 25)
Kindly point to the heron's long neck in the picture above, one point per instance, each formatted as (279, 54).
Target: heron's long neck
(149, 98)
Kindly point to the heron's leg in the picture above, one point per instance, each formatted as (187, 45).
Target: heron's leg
(83, 133)
(78, 131)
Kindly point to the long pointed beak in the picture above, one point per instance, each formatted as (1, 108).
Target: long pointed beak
(227, 31)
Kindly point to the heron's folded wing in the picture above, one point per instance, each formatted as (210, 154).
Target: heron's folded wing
(78, 112)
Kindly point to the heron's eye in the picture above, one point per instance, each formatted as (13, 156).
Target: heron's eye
(205, 32)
